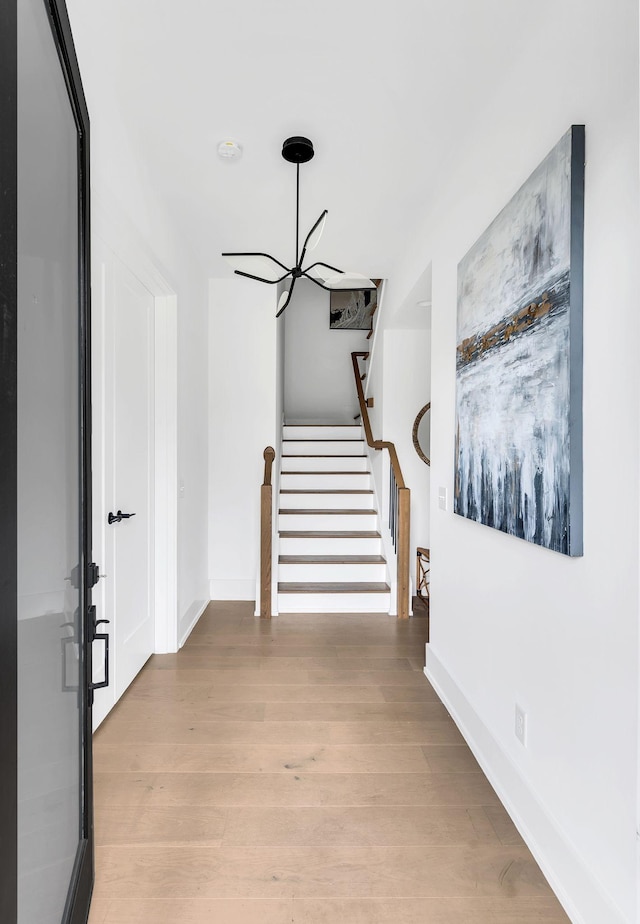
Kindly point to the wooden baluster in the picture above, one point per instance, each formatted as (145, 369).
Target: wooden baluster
(403, 553)
(266, 534)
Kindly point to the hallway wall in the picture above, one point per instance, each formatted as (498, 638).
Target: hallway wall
(141, 233)
(243, 335)
(318, 378)
(512, 622)
(114, 231)
(399, 380)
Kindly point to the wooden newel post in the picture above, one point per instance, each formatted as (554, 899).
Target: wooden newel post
(266, 523)
(404, 541)
(269, 455)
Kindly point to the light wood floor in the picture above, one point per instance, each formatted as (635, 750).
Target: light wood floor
(300, 772)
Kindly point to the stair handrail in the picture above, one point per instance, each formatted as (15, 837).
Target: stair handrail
(266, 526)
(399, 496)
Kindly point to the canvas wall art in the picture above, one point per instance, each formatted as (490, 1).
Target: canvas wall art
(518, 455)
(352, 310)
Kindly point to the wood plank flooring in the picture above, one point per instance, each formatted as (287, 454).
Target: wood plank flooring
(301, 771)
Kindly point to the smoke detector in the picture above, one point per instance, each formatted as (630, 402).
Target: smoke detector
(229, 150)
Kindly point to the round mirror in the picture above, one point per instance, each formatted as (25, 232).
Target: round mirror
(422, 433)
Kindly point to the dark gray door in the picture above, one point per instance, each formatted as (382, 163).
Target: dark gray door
(45, 433)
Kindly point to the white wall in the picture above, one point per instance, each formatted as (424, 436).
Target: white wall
(113, 231)
(406, 388)
(512, 622)
(319, 384)
(140, 232)
(399, 381)
(193, 472)
(374, 387)
(243, 339)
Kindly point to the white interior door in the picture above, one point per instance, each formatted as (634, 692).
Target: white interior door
(124, 449)
(131, 539)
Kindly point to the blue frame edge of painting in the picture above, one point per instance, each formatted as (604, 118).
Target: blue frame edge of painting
(518, 455)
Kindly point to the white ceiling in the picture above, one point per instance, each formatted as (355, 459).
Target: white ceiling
(385, 90)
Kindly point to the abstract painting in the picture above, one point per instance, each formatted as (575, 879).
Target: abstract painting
(352, 310)
(518, 455)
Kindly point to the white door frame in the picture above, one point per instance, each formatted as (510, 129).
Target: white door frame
(166, 474)
(114, 237)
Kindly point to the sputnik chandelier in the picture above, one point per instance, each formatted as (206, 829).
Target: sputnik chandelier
(264, 268)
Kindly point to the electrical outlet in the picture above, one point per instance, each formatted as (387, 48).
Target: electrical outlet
(521, 725)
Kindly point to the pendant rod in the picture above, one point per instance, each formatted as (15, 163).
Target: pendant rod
(297, 209)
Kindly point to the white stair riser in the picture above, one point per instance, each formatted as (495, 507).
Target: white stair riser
(315, 454)
(328, 501)
(325, 464)
(334, 603)
(328, 521)
(333, 546)
(323, 448)
(321, 433)
(332, 573)
(309, 481)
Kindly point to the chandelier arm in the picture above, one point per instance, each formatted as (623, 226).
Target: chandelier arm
(293, 283)
(306, 240)
(317, 282)
(270, 282)
(256, 253)
(327, 265)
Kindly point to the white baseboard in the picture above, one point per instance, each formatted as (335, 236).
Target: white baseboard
(274, 593)
(232, 590)
(274, 610)
(576, 886)
(190, 619)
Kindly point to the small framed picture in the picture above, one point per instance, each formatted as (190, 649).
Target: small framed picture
(352, 310)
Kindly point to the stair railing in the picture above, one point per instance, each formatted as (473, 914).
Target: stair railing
(399, 497)
(266, 524)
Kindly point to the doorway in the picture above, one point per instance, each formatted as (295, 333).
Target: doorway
(134, 456)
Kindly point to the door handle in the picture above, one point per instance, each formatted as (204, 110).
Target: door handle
(104, 637)
(117, 517)
(70, 658)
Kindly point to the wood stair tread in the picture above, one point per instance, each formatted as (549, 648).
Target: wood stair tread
(332, 560)
(326, 455)
(325, 473)
(287, 511)
(317, 439)
(329, 534)
(325, 491)
(335, 587)
(314, 426)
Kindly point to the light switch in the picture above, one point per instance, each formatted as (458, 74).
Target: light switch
(442, 498)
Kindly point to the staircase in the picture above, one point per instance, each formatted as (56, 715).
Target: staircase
(330, 548)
